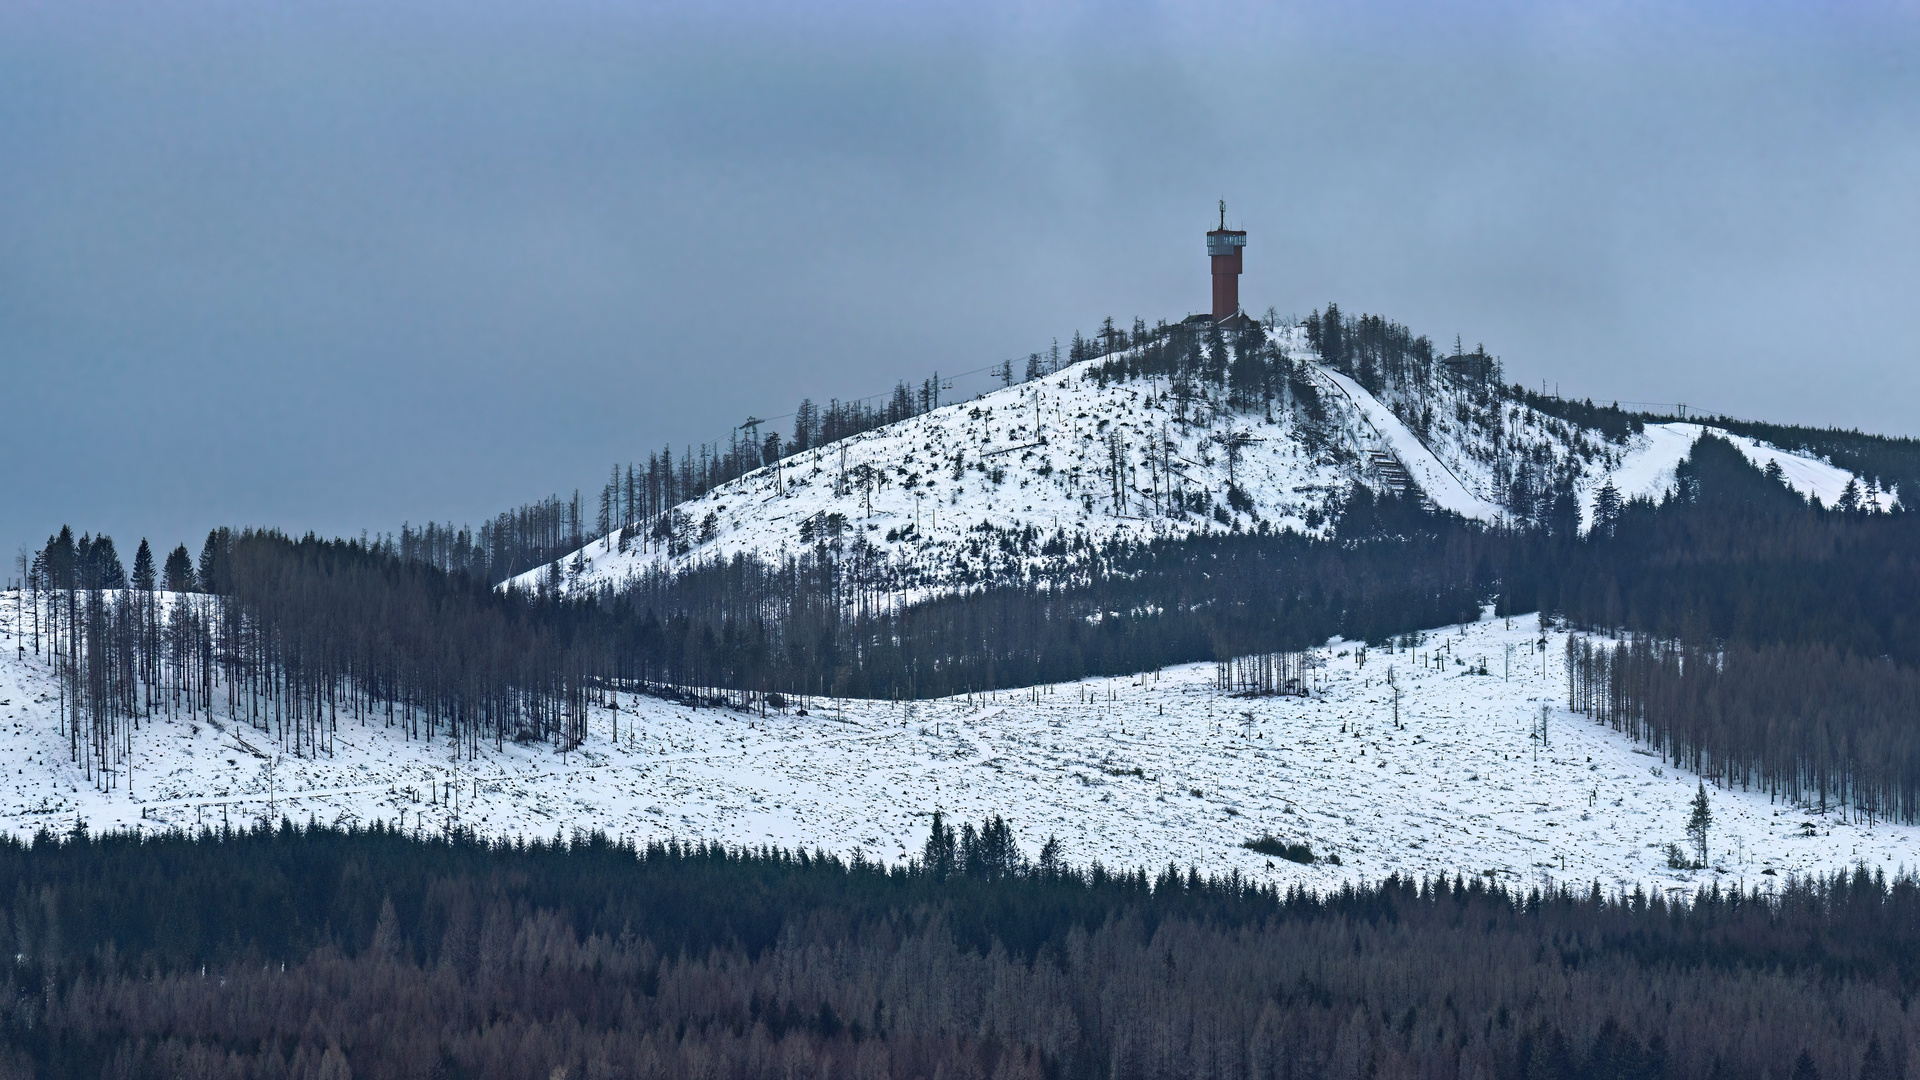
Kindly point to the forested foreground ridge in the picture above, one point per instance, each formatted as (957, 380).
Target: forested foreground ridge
(314, 952)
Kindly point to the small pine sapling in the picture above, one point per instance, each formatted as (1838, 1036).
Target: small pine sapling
(1698, 822)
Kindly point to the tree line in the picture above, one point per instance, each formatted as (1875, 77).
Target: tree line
(295, 637)
(1809, 724)
(291, 952)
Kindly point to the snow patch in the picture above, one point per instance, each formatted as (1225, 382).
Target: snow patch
(1648, 469)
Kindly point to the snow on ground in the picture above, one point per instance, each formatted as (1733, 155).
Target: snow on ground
(1038, 455)
(1384, 429)
(1131, 772)
(1647, 468)
(1041, 456)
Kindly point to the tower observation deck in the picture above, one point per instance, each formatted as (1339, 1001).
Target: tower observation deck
(1224, 245)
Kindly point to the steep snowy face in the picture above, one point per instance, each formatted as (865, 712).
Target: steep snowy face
(1030, 480)
(1483, 450)
(1498, 456)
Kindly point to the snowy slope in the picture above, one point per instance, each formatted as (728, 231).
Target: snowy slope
(1380, 426)
(1130, 772)
(976, 491)
(1648, 468)
(1036, 455)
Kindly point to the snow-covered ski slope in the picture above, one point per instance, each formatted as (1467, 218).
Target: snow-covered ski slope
(1648, 467)
(1131, 772)
(937, 499)
(1378, 425)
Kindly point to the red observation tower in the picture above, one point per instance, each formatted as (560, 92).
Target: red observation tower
(1225, 245)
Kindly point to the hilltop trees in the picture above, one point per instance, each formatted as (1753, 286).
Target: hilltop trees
(178, 573)
(1248, 378)
(806, 425)
(213, 573)
(143, 575)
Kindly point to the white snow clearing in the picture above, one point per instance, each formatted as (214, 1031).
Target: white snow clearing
(1137, 771)
(1647, 468)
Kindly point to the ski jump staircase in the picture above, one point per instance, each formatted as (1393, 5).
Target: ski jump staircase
(1382, 463)
(1381, 458)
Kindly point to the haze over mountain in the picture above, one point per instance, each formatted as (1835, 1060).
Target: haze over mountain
(339, 268)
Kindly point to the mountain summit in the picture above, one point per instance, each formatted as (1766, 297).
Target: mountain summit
(1193, 429)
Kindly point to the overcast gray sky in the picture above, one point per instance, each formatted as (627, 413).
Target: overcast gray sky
(337, 265)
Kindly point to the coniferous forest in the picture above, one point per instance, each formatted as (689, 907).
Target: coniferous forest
(283, 952)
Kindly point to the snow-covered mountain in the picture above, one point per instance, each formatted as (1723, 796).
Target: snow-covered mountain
(1032, 476)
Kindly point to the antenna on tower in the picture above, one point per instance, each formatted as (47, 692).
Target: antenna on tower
(1223, 214)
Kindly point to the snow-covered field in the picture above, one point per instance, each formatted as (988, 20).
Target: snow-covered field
(1131, 772)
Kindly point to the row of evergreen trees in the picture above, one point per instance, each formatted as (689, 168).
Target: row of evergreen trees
(283, 952)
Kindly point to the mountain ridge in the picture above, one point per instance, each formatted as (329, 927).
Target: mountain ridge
(1257, 433)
